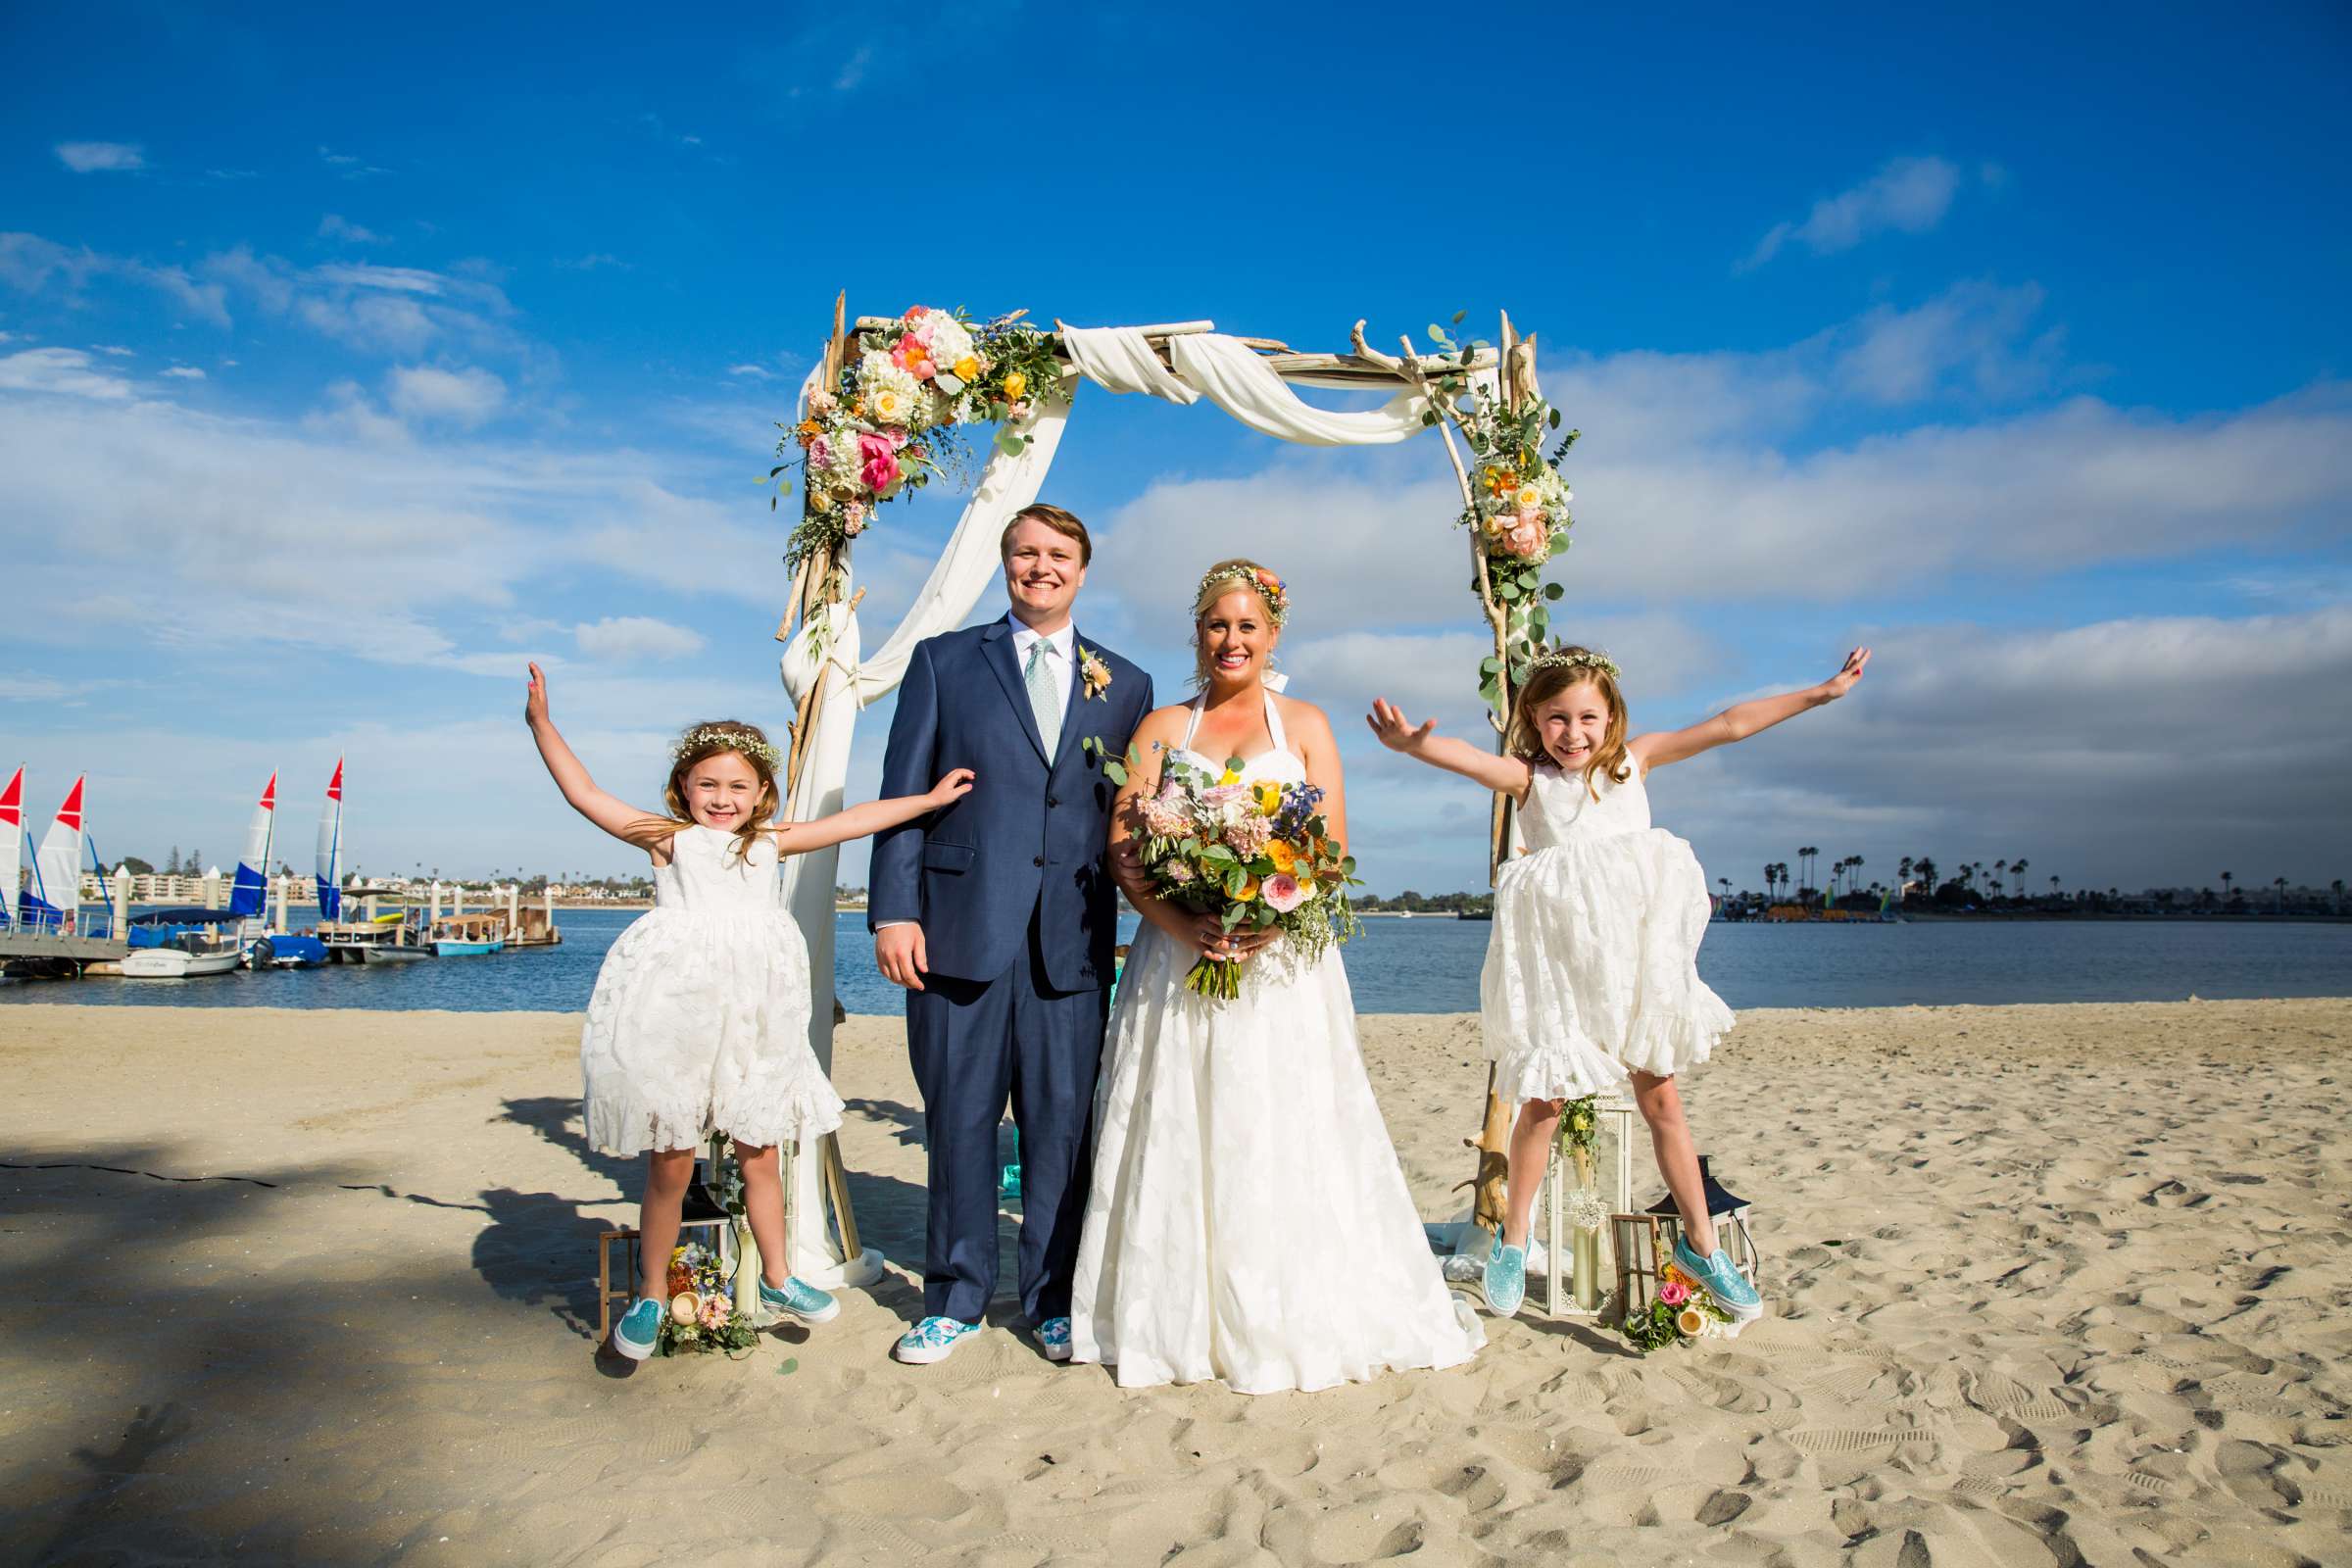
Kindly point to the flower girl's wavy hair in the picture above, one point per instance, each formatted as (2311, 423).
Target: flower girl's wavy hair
(1554, 672)
(1223, 578)
(698, 745)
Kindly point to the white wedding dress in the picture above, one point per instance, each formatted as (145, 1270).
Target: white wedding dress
(1248, 1220)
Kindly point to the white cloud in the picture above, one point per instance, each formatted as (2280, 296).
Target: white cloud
(593, 261)
(28, 263)
(464, 397)
(2139, 751)
(94, 157)
(760, 372)
(65, 373)
(185, 372)
(630, 639)
(1909, 195)
(336, 227)
(349, 166)
(117, 350)
(400, 310)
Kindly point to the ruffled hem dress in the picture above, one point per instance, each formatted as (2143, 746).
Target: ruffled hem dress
(1592, 972)
(699, 1022)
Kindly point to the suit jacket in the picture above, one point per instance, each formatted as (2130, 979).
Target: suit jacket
(1029, 839)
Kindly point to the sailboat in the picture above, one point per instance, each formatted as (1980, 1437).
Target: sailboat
(11, 846)
(248, 904)
(53, 902)
(330, 849)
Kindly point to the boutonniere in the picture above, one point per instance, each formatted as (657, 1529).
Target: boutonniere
(1094, 673)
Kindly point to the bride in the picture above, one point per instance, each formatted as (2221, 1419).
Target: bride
(1247, 1220)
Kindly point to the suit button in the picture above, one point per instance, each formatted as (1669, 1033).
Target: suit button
(1041, 860)
(1051, 801)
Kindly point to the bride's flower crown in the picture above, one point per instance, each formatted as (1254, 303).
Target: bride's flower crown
(1266, 585)
(1576, 659)
(711, 736)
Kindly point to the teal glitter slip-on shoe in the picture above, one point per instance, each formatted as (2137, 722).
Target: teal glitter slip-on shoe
(638, 1334)
(934, 1339)
(1721, 1279)
(1053, 1337)
(1506, 1278)
(797, 1299)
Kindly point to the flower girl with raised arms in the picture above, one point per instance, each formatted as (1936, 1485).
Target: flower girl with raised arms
(700, 1018)
(1592, 972)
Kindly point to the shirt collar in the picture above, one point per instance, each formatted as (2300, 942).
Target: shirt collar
(1023, 635)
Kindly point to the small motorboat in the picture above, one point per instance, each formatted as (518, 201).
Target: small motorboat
(387, 953)
(455, 948)
(177, 964)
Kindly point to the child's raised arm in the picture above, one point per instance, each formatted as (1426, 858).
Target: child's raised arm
(1742, 719)
(857, 821)
(1507, 774)
(614, 815)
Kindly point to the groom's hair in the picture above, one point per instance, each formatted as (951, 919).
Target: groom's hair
(1062, 522)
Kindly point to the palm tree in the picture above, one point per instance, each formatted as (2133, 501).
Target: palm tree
(1853, 864)
(2017, 870)
(1927, 874)
(2053, 887)
(2226, 880)
(2336, 888)
(2278, 895)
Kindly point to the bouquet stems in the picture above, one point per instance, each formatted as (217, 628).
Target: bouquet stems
(1220, 978)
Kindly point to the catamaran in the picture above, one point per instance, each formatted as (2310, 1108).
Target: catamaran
(330, 849)
(11, 846)
(52, 904)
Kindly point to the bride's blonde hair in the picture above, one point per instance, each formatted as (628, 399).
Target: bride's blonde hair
(1223, 578)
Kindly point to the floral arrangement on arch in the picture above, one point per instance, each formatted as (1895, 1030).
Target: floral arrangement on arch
(896, 417)
(1519, 503)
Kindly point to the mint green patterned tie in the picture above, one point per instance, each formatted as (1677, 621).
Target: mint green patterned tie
(1044, 700)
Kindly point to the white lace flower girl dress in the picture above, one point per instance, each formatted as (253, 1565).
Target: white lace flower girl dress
(1592, 968)
(700, 1018)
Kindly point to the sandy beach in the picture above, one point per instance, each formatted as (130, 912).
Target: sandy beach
(2049, 1285)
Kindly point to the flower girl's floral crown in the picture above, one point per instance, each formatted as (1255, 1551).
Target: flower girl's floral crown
(726, 739)
(1576, 659)
(1267, 586)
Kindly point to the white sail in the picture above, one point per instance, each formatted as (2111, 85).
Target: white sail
(249, 893)
(330, 849)
(12, 844)
(57, 865)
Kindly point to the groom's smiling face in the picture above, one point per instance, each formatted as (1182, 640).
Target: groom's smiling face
(1042, 570)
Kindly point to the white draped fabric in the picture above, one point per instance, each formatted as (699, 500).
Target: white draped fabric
(1229, 373)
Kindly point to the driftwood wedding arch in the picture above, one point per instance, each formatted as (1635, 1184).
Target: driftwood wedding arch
(1482, 400)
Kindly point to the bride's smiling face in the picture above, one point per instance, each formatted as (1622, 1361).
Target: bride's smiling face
(1236, 638)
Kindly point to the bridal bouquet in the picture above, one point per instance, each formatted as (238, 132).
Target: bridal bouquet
(1256, 855)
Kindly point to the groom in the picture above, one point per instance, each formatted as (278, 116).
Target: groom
(998, 916)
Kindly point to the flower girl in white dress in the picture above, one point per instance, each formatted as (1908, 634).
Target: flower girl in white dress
(1592, 971)
(700, 1018)
(1248, 1220)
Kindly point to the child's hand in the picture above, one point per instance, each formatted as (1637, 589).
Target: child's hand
(1396, 731)
(534, 705)
(951, 789)
(1839, 684)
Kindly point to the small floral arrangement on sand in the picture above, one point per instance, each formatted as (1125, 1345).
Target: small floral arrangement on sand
(1256, 855)
(1683, 1311)
(894, 418)
(702, 1315)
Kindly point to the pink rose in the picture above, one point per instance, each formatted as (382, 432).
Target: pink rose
(716, 1309)
(1674, 1293)
(1284, 893)
(881, 469)
(1526, 539)
(820, 453)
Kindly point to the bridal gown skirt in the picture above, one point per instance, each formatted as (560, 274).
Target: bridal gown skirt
(1248, 1220)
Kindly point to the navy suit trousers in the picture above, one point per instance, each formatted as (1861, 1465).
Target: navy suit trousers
(975, 1044)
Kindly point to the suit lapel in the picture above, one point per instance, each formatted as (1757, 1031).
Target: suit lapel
(997, 643)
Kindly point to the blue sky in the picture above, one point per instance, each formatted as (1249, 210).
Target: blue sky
(346, 365)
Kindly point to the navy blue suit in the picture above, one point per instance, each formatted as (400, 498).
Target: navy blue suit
(1019, 916)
